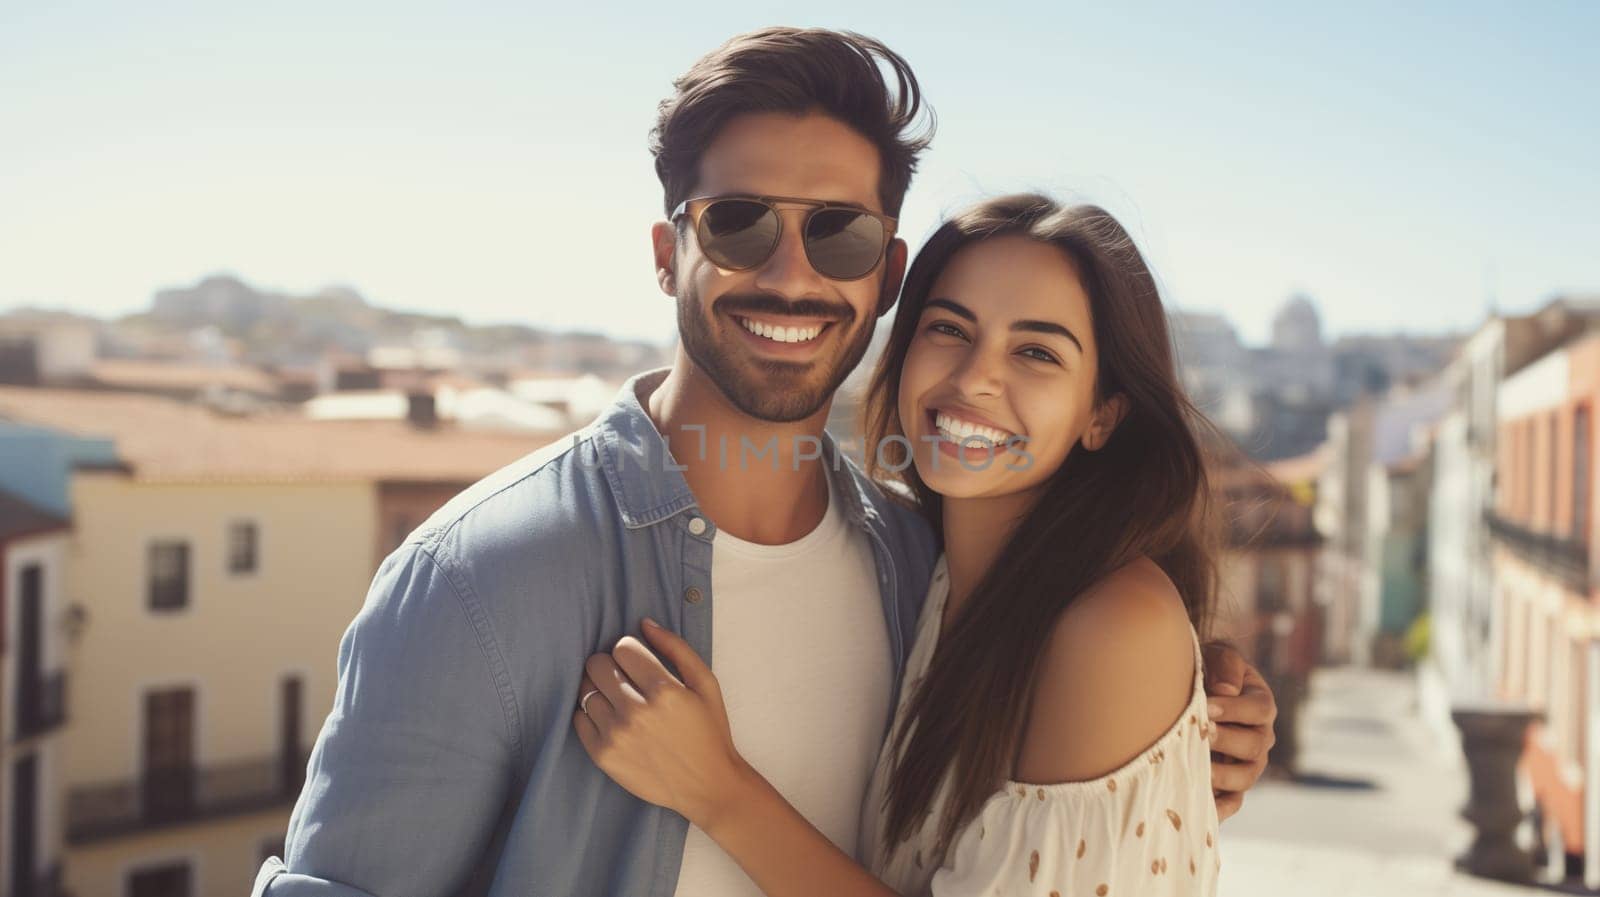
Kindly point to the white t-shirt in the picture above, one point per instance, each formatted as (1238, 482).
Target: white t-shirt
(801, 650)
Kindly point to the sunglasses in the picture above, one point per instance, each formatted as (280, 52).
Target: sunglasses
(741, 232)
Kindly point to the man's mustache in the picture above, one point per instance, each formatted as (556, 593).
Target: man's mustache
(755, 304)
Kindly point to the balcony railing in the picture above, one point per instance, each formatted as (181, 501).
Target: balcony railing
(1565, 559)
(175, 796)
(41, 703)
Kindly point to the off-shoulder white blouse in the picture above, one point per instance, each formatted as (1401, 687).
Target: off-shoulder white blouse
(1148, 828)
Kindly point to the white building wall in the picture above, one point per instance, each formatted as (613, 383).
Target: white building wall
(1540, 386)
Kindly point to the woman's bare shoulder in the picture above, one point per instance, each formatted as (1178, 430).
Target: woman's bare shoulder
(1117, 670)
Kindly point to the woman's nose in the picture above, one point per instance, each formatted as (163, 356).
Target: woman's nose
(979, 374)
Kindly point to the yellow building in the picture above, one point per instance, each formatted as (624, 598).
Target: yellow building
(211, 578)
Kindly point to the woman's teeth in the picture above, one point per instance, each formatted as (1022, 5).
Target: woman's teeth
(956, 429)
(781, 334)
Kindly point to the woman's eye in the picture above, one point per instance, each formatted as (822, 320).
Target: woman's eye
(946, 329)
(1040, 354)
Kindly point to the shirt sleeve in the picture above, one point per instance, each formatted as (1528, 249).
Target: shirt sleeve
(1148, 829)
(411, 769)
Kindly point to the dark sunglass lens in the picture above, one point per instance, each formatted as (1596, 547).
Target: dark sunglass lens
(738, 233)
(843, 244)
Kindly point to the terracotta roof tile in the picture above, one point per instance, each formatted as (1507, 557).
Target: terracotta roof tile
(166, 440)
(165, 375)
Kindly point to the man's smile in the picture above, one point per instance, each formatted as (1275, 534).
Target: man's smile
(784, 337)
(791, 330)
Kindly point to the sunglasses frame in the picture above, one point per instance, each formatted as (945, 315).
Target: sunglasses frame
(695, 208)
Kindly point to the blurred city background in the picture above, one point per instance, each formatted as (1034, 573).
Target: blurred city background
(276, 283)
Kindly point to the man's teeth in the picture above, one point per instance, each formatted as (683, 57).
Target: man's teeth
(957, 429)
(781, 334)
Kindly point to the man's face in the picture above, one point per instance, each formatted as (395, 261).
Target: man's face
(725, 318)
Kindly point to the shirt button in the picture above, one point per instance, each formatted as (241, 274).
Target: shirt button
(693, 595)
(697, 525)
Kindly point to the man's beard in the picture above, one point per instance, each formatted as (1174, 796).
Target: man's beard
(772, 391)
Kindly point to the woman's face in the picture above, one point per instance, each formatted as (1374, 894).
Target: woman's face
(1003, 354)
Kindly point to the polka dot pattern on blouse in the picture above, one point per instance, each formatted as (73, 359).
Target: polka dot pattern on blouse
(1147, 829)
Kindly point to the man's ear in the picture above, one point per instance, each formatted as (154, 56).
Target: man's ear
(1106, 418)
(664, 245)
(894, 273)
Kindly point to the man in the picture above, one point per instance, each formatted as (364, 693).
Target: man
(449, 763)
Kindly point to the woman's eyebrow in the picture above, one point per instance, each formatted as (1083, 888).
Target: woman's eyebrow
(955, 308)
(1047, 327)
(1029, 326)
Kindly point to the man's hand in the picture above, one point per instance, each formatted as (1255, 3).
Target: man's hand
(1242, 713)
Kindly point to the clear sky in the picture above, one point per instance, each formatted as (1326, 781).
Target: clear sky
(488, 160)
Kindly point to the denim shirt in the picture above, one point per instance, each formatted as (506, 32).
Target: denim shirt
(449, 763)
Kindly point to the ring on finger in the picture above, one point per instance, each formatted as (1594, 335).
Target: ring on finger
(583, 702)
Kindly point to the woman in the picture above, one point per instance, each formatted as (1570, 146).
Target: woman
(1052, 735)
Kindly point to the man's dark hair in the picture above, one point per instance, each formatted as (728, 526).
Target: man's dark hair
(793, 70)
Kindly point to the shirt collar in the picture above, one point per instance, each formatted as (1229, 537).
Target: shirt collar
(636, 459)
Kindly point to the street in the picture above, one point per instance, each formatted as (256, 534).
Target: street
(1374, 813)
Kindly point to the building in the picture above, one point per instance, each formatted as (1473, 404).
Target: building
(1276, 400)
(1399, 481)
(1214, 367)
(1298, 364)
(1464, 631)
(454, 399)
(184, 379)
(1340, 515)
(1544, 581)
(432, 349)
(1372, 500)
(33, 556)
(1459, 665)
(210, 575)
(577, 397)
(1267, 604)
(43, 347)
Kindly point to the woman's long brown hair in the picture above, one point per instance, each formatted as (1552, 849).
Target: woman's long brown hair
(1143, 494)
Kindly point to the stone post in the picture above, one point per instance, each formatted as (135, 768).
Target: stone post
(1492, 737)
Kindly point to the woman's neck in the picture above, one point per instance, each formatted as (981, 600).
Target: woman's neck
(975, 530)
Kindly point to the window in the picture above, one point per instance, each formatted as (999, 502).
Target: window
(1529, 650)
(1530, 472)
(1549, 652)
(1504, 676)
(23, 838)
(1513, 472)
(1580, 474)
(32, 712)
(166, 880)
(169, 575)
(1577, 699)
(242, 540)
(169, 776)
(1555, 473)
